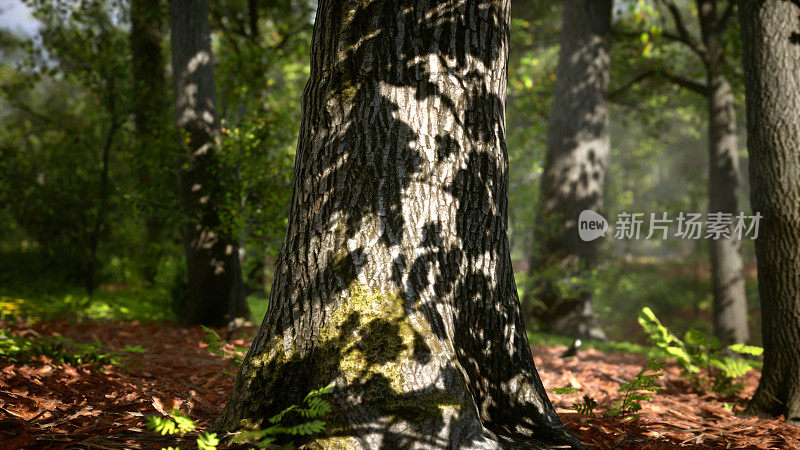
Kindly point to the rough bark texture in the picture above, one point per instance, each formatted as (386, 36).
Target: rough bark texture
(395, 280)
(574, 173)
(150, 110)
(214, 274)
(727, 282)
(771, 36)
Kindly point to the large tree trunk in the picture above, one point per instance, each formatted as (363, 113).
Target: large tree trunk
(770, 31)
(395, 280)
(214, 273)
(574, 173)
(727, 282)
(150, 109)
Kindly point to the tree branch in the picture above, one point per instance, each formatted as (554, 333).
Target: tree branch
(613, 95)
(700, 88)
(682, 34)
(722, 23)
(685, 83)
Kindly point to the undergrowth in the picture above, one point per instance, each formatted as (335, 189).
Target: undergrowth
(703, 360)
(306, 421)
(60, 350)
(639, 389)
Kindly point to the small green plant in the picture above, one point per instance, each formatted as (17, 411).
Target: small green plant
(315, 408)
(702, 358)
(585, 407)
(632, 398)
(215, 344)
(307, 418)
(637, 390)
(566, 390)
(177, 422)
(59, 350)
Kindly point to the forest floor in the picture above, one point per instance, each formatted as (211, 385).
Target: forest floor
(68, 405)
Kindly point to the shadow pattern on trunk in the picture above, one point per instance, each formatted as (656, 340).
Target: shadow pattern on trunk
(395, 279)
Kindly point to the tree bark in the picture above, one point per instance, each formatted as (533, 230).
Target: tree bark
(214, 273)
(727, 282)
(574, 173)
(771, 37)
(150, 111)
(395, 280)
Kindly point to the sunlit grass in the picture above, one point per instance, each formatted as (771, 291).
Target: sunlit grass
(258, 307)
(146, 305)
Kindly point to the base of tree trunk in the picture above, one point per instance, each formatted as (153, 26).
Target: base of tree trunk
(768, 405)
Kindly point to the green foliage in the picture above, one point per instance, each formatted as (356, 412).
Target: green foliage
(126, 304)
(207, 441)
(63, 129)
(634, 393)
(536, 338)
(679, 289)
(702, 358)
(315, 408)
(633, 397)
(566, 390)
(262, 73)
(216, 343)
(305, 418)
(585, 407)
(59, 350)
(177, 422)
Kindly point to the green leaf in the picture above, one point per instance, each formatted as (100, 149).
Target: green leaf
(134, 349)
(162, 425)
(207, 441)
(747, 349)
(321, 391)
(183, 422)
(565, 390)
(586, 407)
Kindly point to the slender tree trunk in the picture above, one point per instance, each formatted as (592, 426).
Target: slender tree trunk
(727, 282)
(395, 280)
(771, 36)
(252, 18)
(149, 98)
(98, 224)
(574, 173)
(211, 255)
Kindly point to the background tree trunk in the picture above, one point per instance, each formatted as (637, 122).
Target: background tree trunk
(395, 280)
(574, 173)
(727, 282)
(214, 272)
(150, 110)
(771, 36)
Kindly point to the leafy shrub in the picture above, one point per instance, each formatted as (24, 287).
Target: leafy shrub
(307, 418)
(59, 350)
(702, 358)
